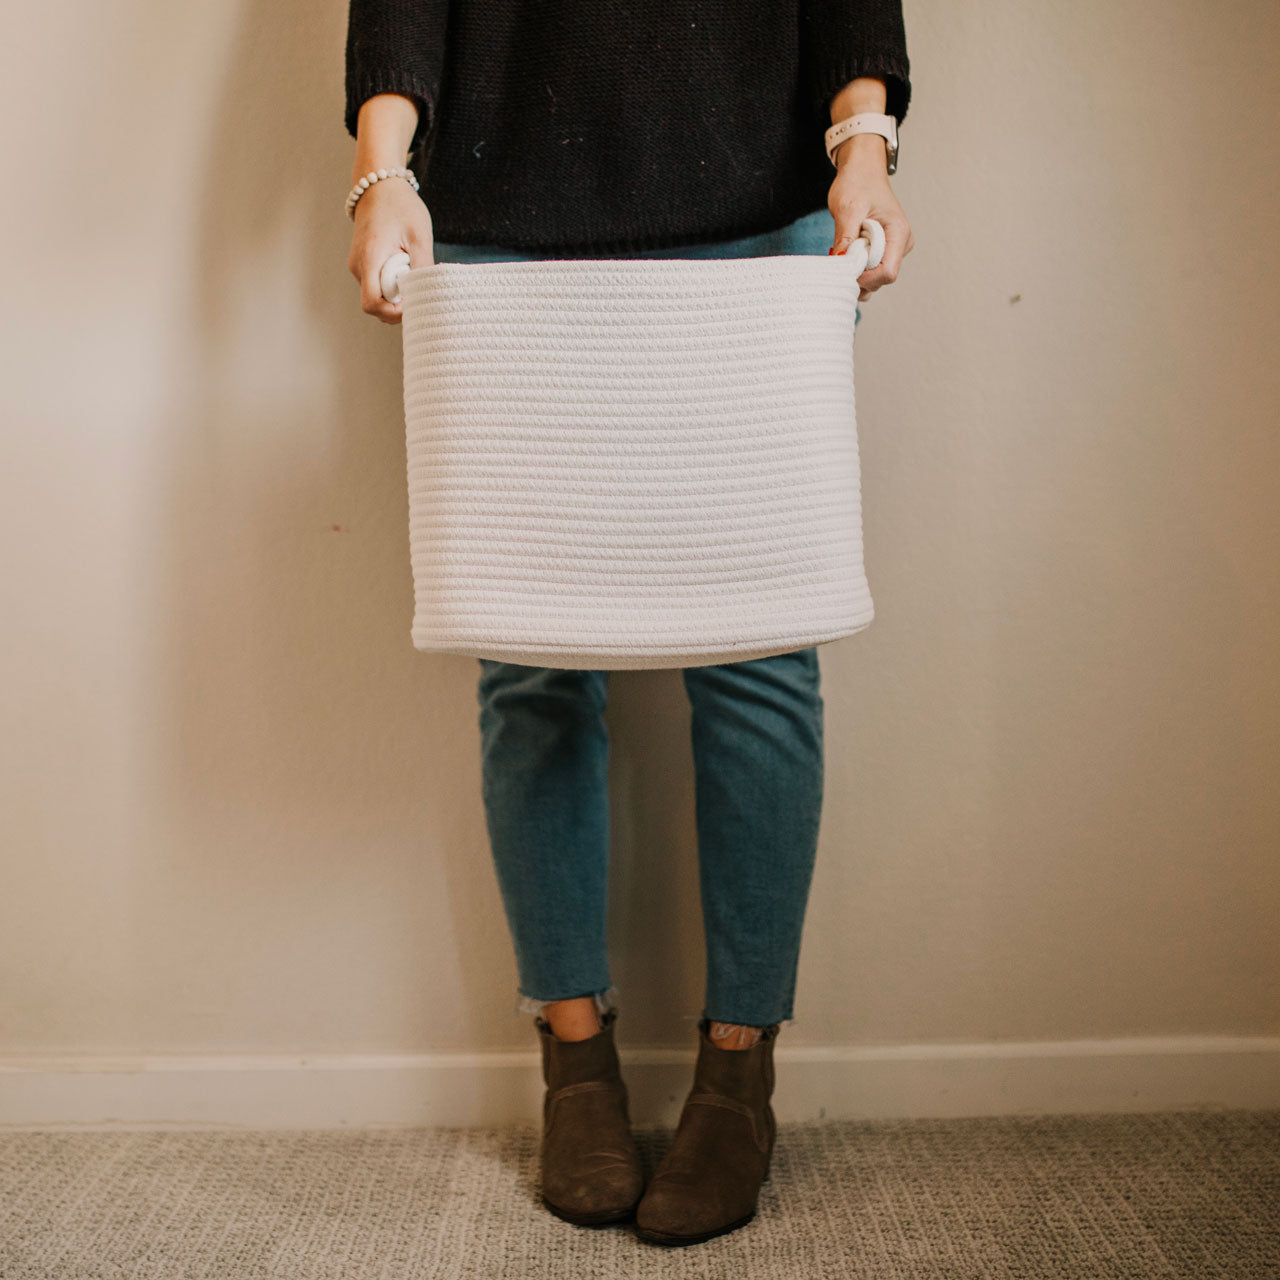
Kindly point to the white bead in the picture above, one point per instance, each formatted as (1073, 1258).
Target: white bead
(376, 175)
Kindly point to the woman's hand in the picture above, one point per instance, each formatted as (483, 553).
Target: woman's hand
(390, 217)
(861, 190)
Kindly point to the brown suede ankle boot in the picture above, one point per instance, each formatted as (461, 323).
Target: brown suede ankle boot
(591, 1171)
(708, 1182)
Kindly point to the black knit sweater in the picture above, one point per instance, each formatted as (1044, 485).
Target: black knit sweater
(579, 127)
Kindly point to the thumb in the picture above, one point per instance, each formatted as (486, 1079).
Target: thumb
(421, 248)
(420, 236)
(848, 225)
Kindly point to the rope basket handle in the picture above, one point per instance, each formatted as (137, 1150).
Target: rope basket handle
(870, 244)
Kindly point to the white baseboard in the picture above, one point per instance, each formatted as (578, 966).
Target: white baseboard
(481, 1089)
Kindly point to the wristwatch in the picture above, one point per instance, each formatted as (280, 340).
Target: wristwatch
(865, 122)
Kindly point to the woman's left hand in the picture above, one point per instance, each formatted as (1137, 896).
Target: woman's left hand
(861, 190)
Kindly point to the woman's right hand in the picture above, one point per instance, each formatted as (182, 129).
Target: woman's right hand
(390, 217)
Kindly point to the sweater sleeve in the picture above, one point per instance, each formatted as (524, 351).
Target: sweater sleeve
(395, 46)
(844, 39)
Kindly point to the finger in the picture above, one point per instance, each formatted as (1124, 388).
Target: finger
(371, 300)
(896, 232)
(379, 307)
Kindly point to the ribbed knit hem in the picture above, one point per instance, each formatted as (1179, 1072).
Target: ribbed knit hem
(363, 85)
(894, 70)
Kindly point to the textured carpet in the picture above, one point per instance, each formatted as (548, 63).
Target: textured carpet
(1142, 1196)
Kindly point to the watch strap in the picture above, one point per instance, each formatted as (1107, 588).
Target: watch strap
(865, 122)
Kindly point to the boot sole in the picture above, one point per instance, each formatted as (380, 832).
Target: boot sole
(598, 1218)
(675, 1242)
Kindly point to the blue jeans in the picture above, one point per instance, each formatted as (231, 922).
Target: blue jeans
(758, 761)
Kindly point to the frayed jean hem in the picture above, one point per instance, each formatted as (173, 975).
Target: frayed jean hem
(605, 1000)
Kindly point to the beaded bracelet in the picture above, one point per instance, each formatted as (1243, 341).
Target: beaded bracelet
(376, 175)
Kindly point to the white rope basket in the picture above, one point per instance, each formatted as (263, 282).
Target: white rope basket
(627, 463)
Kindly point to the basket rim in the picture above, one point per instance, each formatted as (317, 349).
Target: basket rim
(801, 263)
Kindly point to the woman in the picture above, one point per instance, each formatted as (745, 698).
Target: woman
(513, 131)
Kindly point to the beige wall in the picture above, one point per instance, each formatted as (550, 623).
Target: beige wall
(242, 814)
